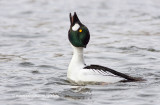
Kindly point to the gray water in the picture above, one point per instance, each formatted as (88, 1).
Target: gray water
(35, 51)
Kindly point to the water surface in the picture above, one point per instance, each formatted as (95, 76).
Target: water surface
(35, 51)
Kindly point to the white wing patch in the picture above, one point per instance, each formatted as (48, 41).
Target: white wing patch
(75, 27)
(94, 75)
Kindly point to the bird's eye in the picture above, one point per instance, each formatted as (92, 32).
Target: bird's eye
(80, 30)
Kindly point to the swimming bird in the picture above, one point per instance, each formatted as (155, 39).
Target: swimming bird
(80, 73)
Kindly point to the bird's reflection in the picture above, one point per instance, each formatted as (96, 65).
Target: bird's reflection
(76, 93)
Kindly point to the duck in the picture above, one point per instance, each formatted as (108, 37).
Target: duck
(80, 73)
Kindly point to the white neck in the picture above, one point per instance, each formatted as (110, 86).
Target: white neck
(77, 57)
(77, 61)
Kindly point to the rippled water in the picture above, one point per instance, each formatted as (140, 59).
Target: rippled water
(35, 52)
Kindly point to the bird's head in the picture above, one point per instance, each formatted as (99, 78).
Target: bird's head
(78, 33)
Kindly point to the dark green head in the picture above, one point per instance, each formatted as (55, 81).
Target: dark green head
(78, 33)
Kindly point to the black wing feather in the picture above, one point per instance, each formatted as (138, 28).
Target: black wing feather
(105, 69)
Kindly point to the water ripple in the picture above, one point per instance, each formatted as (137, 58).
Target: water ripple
(35, 51)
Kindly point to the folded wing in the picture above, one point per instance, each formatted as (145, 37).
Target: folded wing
(110, 72)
